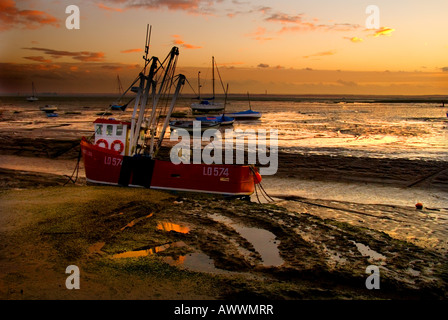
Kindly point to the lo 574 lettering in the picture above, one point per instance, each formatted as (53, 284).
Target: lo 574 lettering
(217, 172)
(113, 161)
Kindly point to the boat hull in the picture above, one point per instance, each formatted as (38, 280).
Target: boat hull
(245, 115)
(105, 166)
(210, 107)
(222, 120)
(188, 125)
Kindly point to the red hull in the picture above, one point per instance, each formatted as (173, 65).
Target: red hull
(105, 166)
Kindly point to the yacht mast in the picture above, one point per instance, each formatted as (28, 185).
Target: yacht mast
(213, 75)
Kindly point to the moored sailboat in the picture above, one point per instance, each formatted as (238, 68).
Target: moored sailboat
(33, 97)
(223, 120)
(207, 104)
(119, 104)
(247, 114)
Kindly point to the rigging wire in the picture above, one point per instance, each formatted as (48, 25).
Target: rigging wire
(222, 85)
(191, 87)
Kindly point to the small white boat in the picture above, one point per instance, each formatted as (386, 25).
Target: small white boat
(245, 115)
(33, 97)
(207, 105)
(49, 108)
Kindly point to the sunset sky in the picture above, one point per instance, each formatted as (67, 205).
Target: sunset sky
(279, 47)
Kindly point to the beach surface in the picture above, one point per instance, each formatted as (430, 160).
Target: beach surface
(146, 244)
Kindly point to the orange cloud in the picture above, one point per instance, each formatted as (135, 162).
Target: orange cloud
(203, 7)
(321, 54)
(90, 56)
(104, 7)
(284, 18)
(259, 35)
(178, 41)
(383, 31)
(131, 50)
(85, 56)
(38, 59)
(190, 46)
(11, 17)
(296, 23)
(354, 39)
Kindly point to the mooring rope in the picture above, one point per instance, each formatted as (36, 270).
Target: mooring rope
(76, 170)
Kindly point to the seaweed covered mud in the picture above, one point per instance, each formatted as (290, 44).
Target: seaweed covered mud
(145, 244)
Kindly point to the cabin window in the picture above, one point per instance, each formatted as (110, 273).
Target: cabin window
(109, 129)
(119, 130)
(99, 129)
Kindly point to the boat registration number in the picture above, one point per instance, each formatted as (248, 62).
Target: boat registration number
(217, 172)
(113, 161)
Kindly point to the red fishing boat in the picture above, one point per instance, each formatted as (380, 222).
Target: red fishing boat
(124, 153)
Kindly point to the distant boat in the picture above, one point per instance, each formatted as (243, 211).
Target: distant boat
(52, 114)
(246, 115)
(188, 125)
(207, 105)
(222, 119)
(119, 105)
(49, 108)
(33, 97)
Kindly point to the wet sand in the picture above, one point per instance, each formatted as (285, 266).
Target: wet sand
(144, 244)
(211, 248)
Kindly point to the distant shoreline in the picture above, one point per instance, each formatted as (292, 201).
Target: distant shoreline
(325, 98)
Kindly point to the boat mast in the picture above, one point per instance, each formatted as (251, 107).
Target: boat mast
(169, 72)
(120, 87)
(213, 76)
(144, 100)
(225, 101)
(142, 78)
(199, 85)
(34, 90)
(180, 83)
